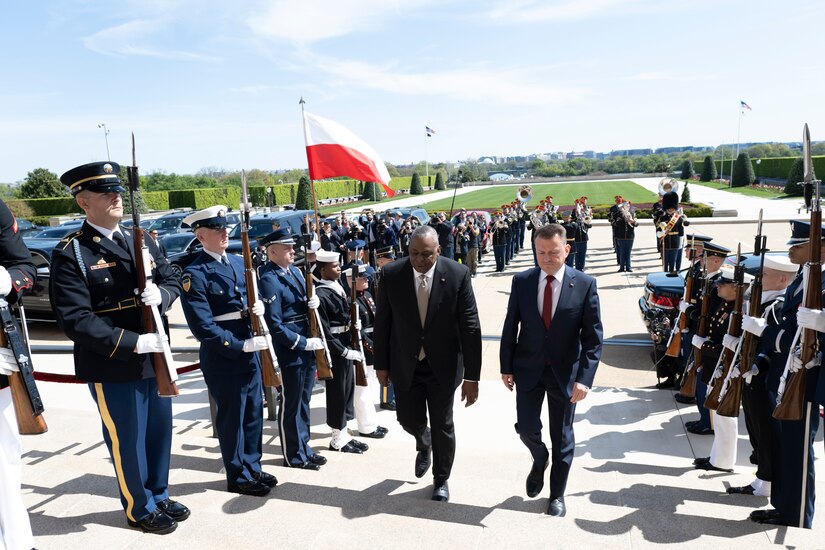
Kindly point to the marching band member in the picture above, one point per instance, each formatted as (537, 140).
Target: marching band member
(671, 227)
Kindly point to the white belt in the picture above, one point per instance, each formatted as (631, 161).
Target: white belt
(338, 330)
(368, 330)
(229, 316)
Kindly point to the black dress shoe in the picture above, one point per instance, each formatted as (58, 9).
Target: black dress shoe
(379, 433)
(761, 515)
(556, 507)
(252, 488)
(308, 465)
(173, 509)
(711, 468)
(692, 423)
(535, 479)
(684, 400)
(361, 445)
(388, 406)
(423, 460)
(774, 521)
(441, 491)
(702, 460)
(157, 523)
(665, 384)
(700, 430)
(318, 459)
(267, 479)
(746, 490)
(348, 448)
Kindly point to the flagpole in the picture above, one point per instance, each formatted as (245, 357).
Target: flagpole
(426, 158)
(311, 181)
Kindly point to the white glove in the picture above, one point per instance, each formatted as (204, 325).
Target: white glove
(256, 343)
(5, 281)
(150, 343)
(314, 344)
(8, 364)
(660, 234)
(353, 355)
(151, 295)
(797, 362)
(313, 302)
(698, 341)
(684, 305)
(748, 376)
(730, 342)
(358, 324)
(813, 319)
(754, 325)
(258, 309)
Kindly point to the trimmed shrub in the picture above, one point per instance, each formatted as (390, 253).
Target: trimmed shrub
(708, 170)
(370, 191)
(742, 171)
(198, 199)
(415, 185)
(687, 170)
(156, 200)
(793, 186)
(439, 182)
(303, 197)
(686, 193)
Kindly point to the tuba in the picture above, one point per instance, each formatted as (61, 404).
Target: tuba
(524, 194)
(666, 185)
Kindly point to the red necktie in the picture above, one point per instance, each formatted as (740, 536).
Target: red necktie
(547, 306)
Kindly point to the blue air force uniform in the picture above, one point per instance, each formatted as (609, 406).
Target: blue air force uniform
(92, 289)
(215, 305)
(284, 293)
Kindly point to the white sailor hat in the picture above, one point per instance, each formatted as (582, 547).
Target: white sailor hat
(727, 272)
(214, 217)
(327, 256)
(780, 263)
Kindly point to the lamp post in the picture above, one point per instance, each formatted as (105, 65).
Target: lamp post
(758, 162)
(269, 198)
(106, 137)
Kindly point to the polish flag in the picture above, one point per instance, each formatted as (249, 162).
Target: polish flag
(332, 151)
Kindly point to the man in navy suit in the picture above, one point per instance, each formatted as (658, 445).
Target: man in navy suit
(427, 341)
(550, 345)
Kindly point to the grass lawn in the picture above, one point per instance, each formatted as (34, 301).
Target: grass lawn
(749, 191)
(564, 194)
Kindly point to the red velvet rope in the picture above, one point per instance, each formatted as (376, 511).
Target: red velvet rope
(72, 379)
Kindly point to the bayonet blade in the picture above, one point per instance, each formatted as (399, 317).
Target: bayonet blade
(806, 155)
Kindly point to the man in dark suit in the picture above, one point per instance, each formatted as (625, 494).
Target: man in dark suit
(550, 344)
(428, 355)
(153, 234)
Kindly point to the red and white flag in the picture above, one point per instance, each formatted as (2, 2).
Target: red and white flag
(332, 151)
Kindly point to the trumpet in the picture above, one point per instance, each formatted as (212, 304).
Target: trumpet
(524, 194)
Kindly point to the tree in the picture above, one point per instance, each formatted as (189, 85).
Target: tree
(687, 170)
(415, 185)
(303, 198)
(439, 182)
(40, 183)
(685, 193)
(708, 169)
(139, 202)
(393, 171)
(742, 171)
(370, 191)
(793, 186)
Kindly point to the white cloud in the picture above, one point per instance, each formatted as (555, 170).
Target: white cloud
(536, 11)
(136, 38)
(315, 20)
(499, 86)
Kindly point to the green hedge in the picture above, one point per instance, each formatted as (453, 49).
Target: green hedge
(776, 167)
(156, 200)
(204, 198)
(47, 207)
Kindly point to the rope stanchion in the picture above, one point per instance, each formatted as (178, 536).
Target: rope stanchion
(72, 379)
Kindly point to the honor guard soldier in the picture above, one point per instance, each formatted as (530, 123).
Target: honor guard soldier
(283, 290)
(792, 490)
(215, 305)
(670, 229)
(581, 218)
(383, 257)
(364, 398)
(334, 314)
(93, 293)
(570, 228)
(17, 275)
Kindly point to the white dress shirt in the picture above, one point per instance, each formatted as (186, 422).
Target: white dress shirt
(429, 275)
(108, 233)
(558, 278)
(218, 257)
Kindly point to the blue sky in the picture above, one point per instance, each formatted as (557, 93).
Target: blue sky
(204, 83)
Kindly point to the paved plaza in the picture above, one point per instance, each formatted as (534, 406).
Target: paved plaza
(632, 484)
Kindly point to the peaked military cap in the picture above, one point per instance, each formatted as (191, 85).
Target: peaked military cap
(282, 235)
(99, 177)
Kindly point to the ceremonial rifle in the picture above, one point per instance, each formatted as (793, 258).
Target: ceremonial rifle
(726, 359)
(688, 387)
(270, 372)
(674, 346)
(791, 393)
(355, 334)
(162, 362)
(322, 357)
(28, 406)
(731, 396)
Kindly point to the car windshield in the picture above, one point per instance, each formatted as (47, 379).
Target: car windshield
(54, 233)
(176, 243)
(166, 223)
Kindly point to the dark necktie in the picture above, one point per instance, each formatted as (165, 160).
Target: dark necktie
(224, 261)
(117, 236)
(547, 306)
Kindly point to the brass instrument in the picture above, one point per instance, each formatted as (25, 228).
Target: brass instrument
(627, 214)
(666, 185)
(524, 194)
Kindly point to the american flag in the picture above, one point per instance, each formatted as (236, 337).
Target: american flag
(430, 131)
(743, 105)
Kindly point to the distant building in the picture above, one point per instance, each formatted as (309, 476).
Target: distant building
(501, 177)
(630, 152)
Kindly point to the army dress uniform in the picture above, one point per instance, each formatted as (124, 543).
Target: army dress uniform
(500, 232)
(570, 229)
(15, 530)
(672, 238)
(624, 233)
(214, 302)
(283, 292)
(92, 289)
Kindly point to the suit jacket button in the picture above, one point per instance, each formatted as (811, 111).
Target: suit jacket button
(226, 344)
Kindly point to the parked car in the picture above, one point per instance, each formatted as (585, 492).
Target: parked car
(36, 301)
(181, 250)
(171, 223)
(55, 232)
(144, 223)
(27, 228)
(261, 225)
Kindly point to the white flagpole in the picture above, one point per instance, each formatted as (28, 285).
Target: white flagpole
(311, 181)
(426, 156)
